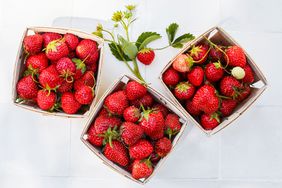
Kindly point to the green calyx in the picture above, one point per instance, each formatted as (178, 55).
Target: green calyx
(145, 113)
(52, 46)
(215, 116)
(145, 51)
(217, 65)
(182, 86)
(79, 64)
(147, 162)
(195, 50)
(110, 135)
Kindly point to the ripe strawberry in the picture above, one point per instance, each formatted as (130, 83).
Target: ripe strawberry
(199, 53)
(141, 149)
(131, 114)
(182, 63)
(27, 88)
(206, 99)
(216, 54)
(87, 49)
(135, 90)
(66, 68)
(192, 108)
(141, 169)
(161, 108)
(184, 90)
(87, 79)
(49, 37)
(172, 125)
(92, 67)
(84, 95)
(214, 71)
(33, 44)
(65, 86)
(227, 107)
(49, 78)
(171, 77)
(236, 56)
(104, 112)
(69, 104)
(155, 158)
(116, 102)
(229, 86)
(116, 152)
(93, 137)
(196, 76)
(146, 56)
(130, 133)
(80, 68)
(103, 123)
(163, 146)
(56, 49)
(249, 75)
(210, 121)
(157, 135)
(147, 101)
(71, 41)
(37, 63)
(244, 93)
(46, 100)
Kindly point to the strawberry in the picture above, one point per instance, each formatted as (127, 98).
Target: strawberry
(92, 67)
(80, 68)
(71, 41)
(130, 133)
(196, 76)
(56, 49)
(182, 63)
(214, 71)
(172, 125)
(210, 121)
(141, 149)
(94, 138)
(27, 88)
(46, 100)
(84, 95)
(171, 77)
(87, 79)
(37, 63)
(216, 54)
(49, 78)
(69, 104)
(227, 107)
(199, 53)
(66, 68)
(104, 112)
(32, 44)
(87, 49)
(103, 123)
(134, 90)
(117, 153)
(157, 135)
(206, 99)
(155, 158)
(146, 56)
(236, 56)
(131, 114)
(244, 93)
(116, 102)
(147, 101)
(192, 108)
(161, 108)
(249, 75)
(65, 86)
(49, 37)
(184, 90)
(163, 146)
(229, 86)
(142, 169)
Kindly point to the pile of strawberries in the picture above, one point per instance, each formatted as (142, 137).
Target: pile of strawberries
(59, 73)
(133, 130)
(210, 80)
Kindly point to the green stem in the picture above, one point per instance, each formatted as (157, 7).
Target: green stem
(126, 29)
(162, 48)
(136, 71)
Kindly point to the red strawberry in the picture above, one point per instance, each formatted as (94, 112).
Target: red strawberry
(227, 107)
(116, 102)
(171, 77)
(87, 79)
(182, 63)
(214, 71)
(199, 53)
(130, 133)
(161, 108)
(229, 86)
(192, 108)
(66, 68)
(146, 56)
(56, 49)
(163, 146)
(244, 93)
(37, 63)
(116, 152)
(104, 112)
(49, 78)
(93, 137)
(172, 125)
(142, 169)
(27, 88)
(184, 90)
(147, 101)
(216, 54)
(69, 104)
(131, 114)
(135, 90)
(157, 135)
(71, 41)
(210, 121)
(87, 49)
(49, 37)
(155, 158)
(236, 56)
(196, 76)
(46, 100)
(80, 68)
(84, 95)
(141, 149)
(65, 86)
(206, 99)
(103, 123)
(33, 44)
(249, 75)
(92, 67)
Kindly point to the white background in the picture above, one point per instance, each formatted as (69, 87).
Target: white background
(39, 151)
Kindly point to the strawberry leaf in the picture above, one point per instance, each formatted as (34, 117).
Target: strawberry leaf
(145, 38)
(118, 52)
(128, 48)
(178, 43)
(171, 31)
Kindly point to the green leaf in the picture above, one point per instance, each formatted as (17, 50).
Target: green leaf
(128, 48)
(171, 31)
(115, 48)
(178, 43)
(145, 38)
